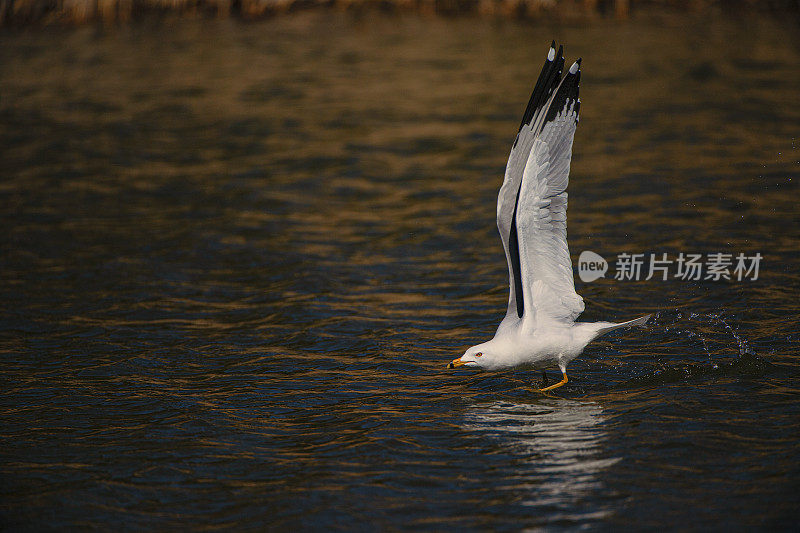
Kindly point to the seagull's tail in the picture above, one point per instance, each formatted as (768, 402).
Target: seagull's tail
(641, 321)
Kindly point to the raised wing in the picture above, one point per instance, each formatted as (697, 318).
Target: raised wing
(507, 198)
(532, 204)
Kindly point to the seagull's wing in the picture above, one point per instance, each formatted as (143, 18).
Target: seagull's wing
(520, 153)
(532, 204)
(541, 210)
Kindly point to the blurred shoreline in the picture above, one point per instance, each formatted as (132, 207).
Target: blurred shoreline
(22, 13)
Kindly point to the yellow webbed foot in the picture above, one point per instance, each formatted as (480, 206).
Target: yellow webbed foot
(556, 385)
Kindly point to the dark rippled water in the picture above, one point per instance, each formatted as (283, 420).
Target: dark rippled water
(236, 258)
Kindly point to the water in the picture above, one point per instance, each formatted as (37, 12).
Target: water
(236, 259)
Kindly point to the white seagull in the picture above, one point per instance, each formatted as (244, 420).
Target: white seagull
(539, 329)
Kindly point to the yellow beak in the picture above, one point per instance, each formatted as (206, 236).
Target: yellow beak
(455, 363)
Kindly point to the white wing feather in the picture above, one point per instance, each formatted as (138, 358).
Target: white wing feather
(506, 199)
(520, 153)
(542, 224)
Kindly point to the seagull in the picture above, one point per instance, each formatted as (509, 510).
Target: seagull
(539, 330)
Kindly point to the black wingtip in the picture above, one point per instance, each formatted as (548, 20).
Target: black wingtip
(551, 53)
(567, 93)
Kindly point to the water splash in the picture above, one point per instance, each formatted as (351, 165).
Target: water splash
(713, 331)
(725, 349)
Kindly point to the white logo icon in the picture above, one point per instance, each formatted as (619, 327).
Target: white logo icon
(591, 266)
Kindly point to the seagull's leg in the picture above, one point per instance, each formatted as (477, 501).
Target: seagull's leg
(544, 378)
(559, 384)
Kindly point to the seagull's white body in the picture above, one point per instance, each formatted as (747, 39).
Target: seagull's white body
(539, 329)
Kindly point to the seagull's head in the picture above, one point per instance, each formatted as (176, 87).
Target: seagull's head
(472, 358)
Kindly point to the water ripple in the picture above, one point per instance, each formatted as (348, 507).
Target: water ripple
(232, 278)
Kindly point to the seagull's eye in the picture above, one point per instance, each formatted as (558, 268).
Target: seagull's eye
(478, 354)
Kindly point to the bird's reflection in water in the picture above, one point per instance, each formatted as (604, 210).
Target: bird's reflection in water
(559, 445)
